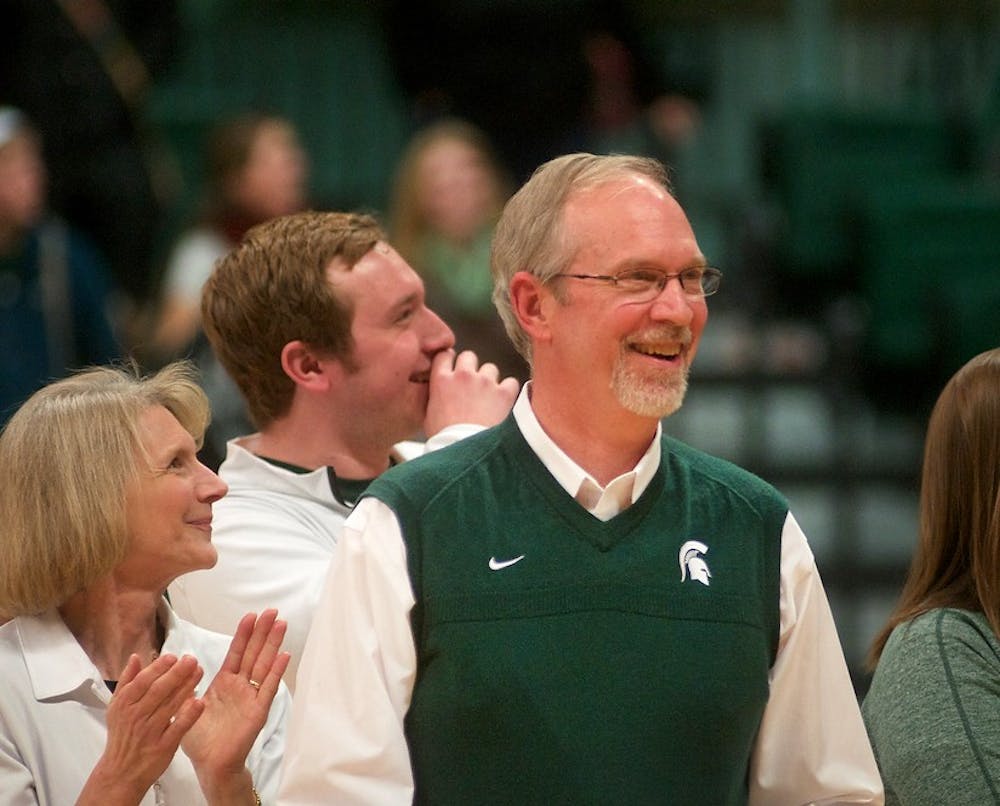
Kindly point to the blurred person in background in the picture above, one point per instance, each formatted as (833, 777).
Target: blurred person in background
(54, 290)
(82, 70)
(448, 193)
(628, 107)
(255, 170)
(543, 79)
(931, 710)
(109, 698)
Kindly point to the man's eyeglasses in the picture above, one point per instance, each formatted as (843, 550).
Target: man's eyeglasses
(644, 285)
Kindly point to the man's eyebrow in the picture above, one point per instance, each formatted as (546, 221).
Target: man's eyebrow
(699, 262)
(404, 302)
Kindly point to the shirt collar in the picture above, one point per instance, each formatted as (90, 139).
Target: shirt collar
(57, 664)
(570, 476)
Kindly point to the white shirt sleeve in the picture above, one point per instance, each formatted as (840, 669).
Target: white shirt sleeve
(812, 746)
(449, 435)
(346, 743)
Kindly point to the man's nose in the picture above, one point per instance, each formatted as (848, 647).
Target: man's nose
(673, 304)
(437, 335)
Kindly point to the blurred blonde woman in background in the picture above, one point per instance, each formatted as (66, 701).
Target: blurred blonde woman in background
(104, 503)
(448, 193)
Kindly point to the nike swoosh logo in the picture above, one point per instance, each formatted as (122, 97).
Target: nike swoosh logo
(497, 565)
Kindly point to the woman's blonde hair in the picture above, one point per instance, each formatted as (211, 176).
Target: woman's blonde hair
(529, 235)
(957, 561)
(67, 457)
(408, 223)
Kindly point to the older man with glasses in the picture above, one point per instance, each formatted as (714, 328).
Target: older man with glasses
(572, 607)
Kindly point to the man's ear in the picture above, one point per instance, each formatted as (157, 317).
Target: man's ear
(305, 368)
(531, 301)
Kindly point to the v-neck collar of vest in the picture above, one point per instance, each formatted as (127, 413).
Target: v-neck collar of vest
(603, 535)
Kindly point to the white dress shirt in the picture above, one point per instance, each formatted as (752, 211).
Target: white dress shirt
(346, 741)
(53, 715)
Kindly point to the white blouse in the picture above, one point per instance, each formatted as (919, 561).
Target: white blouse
(53, 715)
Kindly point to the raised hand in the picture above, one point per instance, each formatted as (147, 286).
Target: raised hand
(237, 703)
(462, 391)
(149, 714)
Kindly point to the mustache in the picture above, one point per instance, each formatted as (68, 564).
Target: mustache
(661, 333)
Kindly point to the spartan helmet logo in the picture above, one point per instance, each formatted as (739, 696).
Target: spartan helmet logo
(692, 563)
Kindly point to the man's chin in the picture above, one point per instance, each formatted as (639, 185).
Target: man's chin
(647, 399)
(652, 408)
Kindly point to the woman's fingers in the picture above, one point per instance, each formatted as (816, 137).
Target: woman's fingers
(188, 713)
(149, 712)
(258, 644)
(150, 685)
(255, 652)
(269, 651)
(132, 668)
(237, 647)
(178, 687)
(253, 637)
(156, 692)
(271, 679)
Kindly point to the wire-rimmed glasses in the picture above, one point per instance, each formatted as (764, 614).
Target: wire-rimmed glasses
(644, 285)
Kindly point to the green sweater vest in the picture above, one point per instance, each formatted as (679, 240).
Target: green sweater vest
(587, 671)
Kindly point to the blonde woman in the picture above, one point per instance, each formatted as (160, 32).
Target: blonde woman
(109, 698)
(448, 193)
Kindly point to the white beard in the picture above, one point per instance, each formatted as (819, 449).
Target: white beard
(647, 394)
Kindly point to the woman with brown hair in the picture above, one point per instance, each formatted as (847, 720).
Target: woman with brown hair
(255, 170)
(932, 707)
(109, 698)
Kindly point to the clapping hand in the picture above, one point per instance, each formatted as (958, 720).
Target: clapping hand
(237, 701)
(149, 714)
(154, 710)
